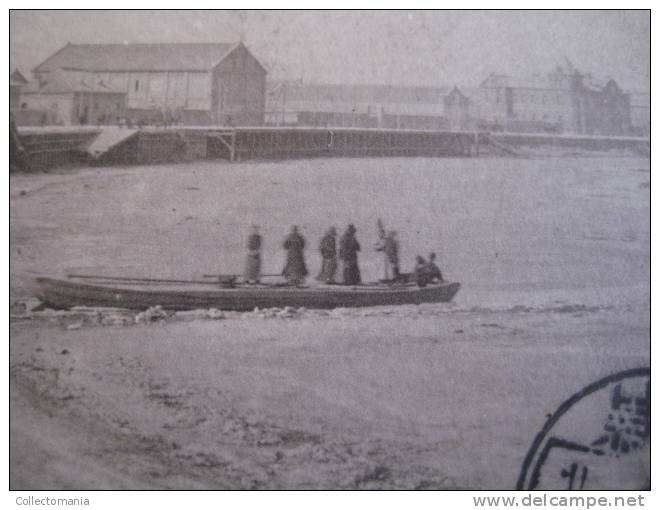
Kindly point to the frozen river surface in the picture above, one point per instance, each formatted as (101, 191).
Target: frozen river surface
(511, 230)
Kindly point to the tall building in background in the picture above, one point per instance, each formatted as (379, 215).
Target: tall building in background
(563, 100)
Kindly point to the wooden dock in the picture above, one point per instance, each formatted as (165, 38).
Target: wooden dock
(54, 147)
(290, 143)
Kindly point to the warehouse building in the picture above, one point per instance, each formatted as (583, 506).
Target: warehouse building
(189, 84)
(367, 106)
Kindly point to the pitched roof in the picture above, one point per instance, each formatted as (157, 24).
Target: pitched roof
(138, 57)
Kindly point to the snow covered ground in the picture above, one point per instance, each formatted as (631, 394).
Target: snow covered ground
(552, 254)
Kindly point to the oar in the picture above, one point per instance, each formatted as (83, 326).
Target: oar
(234, 275)
(137, 280)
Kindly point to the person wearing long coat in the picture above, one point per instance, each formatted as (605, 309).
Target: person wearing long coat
(328, 249)
(348, 253)
(253, 261)
(295, 269)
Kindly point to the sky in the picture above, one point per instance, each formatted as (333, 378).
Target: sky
(434, 48)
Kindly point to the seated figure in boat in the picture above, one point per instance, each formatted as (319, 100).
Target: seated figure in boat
(253, 262)
(328, 249)
(420, 272)
(295, 269)
(426, 272)
(433, 270)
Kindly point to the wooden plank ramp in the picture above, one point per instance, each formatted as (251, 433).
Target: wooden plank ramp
(108, 138)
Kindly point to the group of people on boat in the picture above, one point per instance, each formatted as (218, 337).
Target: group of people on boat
(295, 270)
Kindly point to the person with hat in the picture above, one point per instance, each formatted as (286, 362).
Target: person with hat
(348, 253)
(328, 249)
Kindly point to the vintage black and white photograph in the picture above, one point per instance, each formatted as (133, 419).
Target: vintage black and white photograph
(339, 250)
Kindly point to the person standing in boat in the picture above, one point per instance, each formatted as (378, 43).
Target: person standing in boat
(253, 262)
(328, 249)
(348, 253)
(390, 246)
(295, 269)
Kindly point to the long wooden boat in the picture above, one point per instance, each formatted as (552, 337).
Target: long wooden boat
(64, 294)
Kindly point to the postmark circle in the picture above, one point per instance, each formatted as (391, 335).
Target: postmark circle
(599, 438)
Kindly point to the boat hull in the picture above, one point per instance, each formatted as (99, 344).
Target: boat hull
(64, 294)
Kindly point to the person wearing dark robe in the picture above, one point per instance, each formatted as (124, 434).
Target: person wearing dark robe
(295, 269)
(432, 270)
(328, 249)
(348, 253)
(253, 261)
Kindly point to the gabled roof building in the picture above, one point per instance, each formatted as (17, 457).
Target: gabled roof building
(196, 83)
